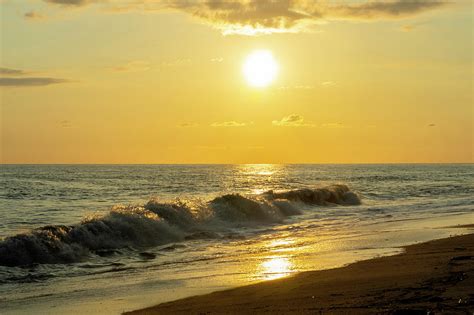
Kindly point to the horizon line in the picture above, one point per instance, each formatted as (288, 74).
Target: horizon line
(304, 163)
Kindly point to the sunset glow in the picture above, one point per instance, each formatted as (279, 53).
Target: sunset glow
(190, 82)
(155, 151)
(260, 68)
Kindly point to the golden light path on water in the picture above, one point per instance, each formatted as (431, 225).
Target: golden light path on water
(258, 176)
(278, 266)
(284, 252)
(275, 262)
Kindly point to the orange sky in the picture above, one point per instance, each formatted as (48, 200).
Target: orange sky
(159, 82)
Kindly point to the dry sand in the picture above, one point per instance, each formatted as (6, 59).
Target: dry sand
(429, 278)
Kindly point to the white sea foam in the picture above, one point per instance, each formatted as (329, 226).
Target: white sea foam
(158, 223)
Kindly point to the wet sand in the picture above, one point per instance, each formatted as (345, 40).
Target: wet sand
(429, 278)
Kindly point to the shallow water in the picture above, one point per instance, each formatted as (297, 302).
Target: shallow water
(156, 248)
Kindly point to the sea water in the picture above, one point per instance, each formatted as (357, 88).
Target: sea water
(112, 238)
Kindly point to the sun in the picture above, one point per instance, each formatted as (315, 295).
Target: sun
(260, 68)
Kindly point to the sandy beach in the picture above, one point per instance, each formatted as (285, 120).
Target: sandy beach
(428, 278)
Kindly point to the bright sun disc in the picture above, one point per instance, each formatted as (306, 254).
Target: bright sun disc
(260, 68)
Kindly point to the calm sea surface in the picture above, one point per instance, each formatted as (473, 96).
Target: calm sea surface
(108, 238)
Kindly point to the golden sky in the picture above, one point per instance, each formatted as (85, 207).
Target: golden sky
(150, 81)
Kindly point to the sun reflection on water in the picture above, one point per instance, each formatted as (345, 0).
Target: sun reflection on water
(258, 178)
(277, 264)
(258, 169)
(283, 242)
(276, 267)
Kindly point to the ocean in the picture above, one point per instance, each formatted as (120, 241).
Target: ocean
(111, 238)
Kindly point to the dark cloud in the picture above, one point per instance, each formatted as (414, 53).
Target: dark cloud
(257, 17)
(381, 9)
(70, 2)
(24, 82)
(252, 17)
(19, 78)
(245, 16)
(11, 72)
(431, 125)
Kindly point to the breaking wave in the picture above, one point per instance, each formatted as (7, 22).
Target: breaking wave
(156, 223)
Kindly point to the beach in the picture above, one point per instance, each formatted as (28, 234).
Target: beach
(427, 278)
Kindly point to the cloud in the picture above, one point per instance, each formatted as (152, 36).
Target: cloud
(176, 63)
(254, 17)
(328, 83)
(23, 82)
(9, 77)
(333, 125)
(386, 9)
(292, 120)
(296, 87)
(411, 27)
(408, 28)
(70, 2)
(32, 15)
(133, 66)
(431, 125)
(188, 125)
(228, 147)
(217, 59)
(12, 72)
(325, 84)
(231, 123)
(266, 17)
(65, 124)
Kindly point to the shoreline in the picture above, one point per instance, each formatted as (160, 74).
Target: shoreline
(436, 276)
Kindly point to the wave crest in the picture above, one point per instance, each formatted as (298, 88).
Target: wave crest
(334, 194)
(158, 223)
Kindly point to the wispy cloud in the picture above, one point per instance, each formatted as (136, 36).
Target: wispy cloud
(228, 147)
(334, 125)
(408, 28)
(176, 63)
(18, 78)
(12, 72)
(65, 124)
(292, 120)
(328, 83)
(188, 125)
(72, 2)
(296, 87)
(231, 123)
(254, 17)
(19, 82)
(133, 66)
(411, 27)
(34, 16)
